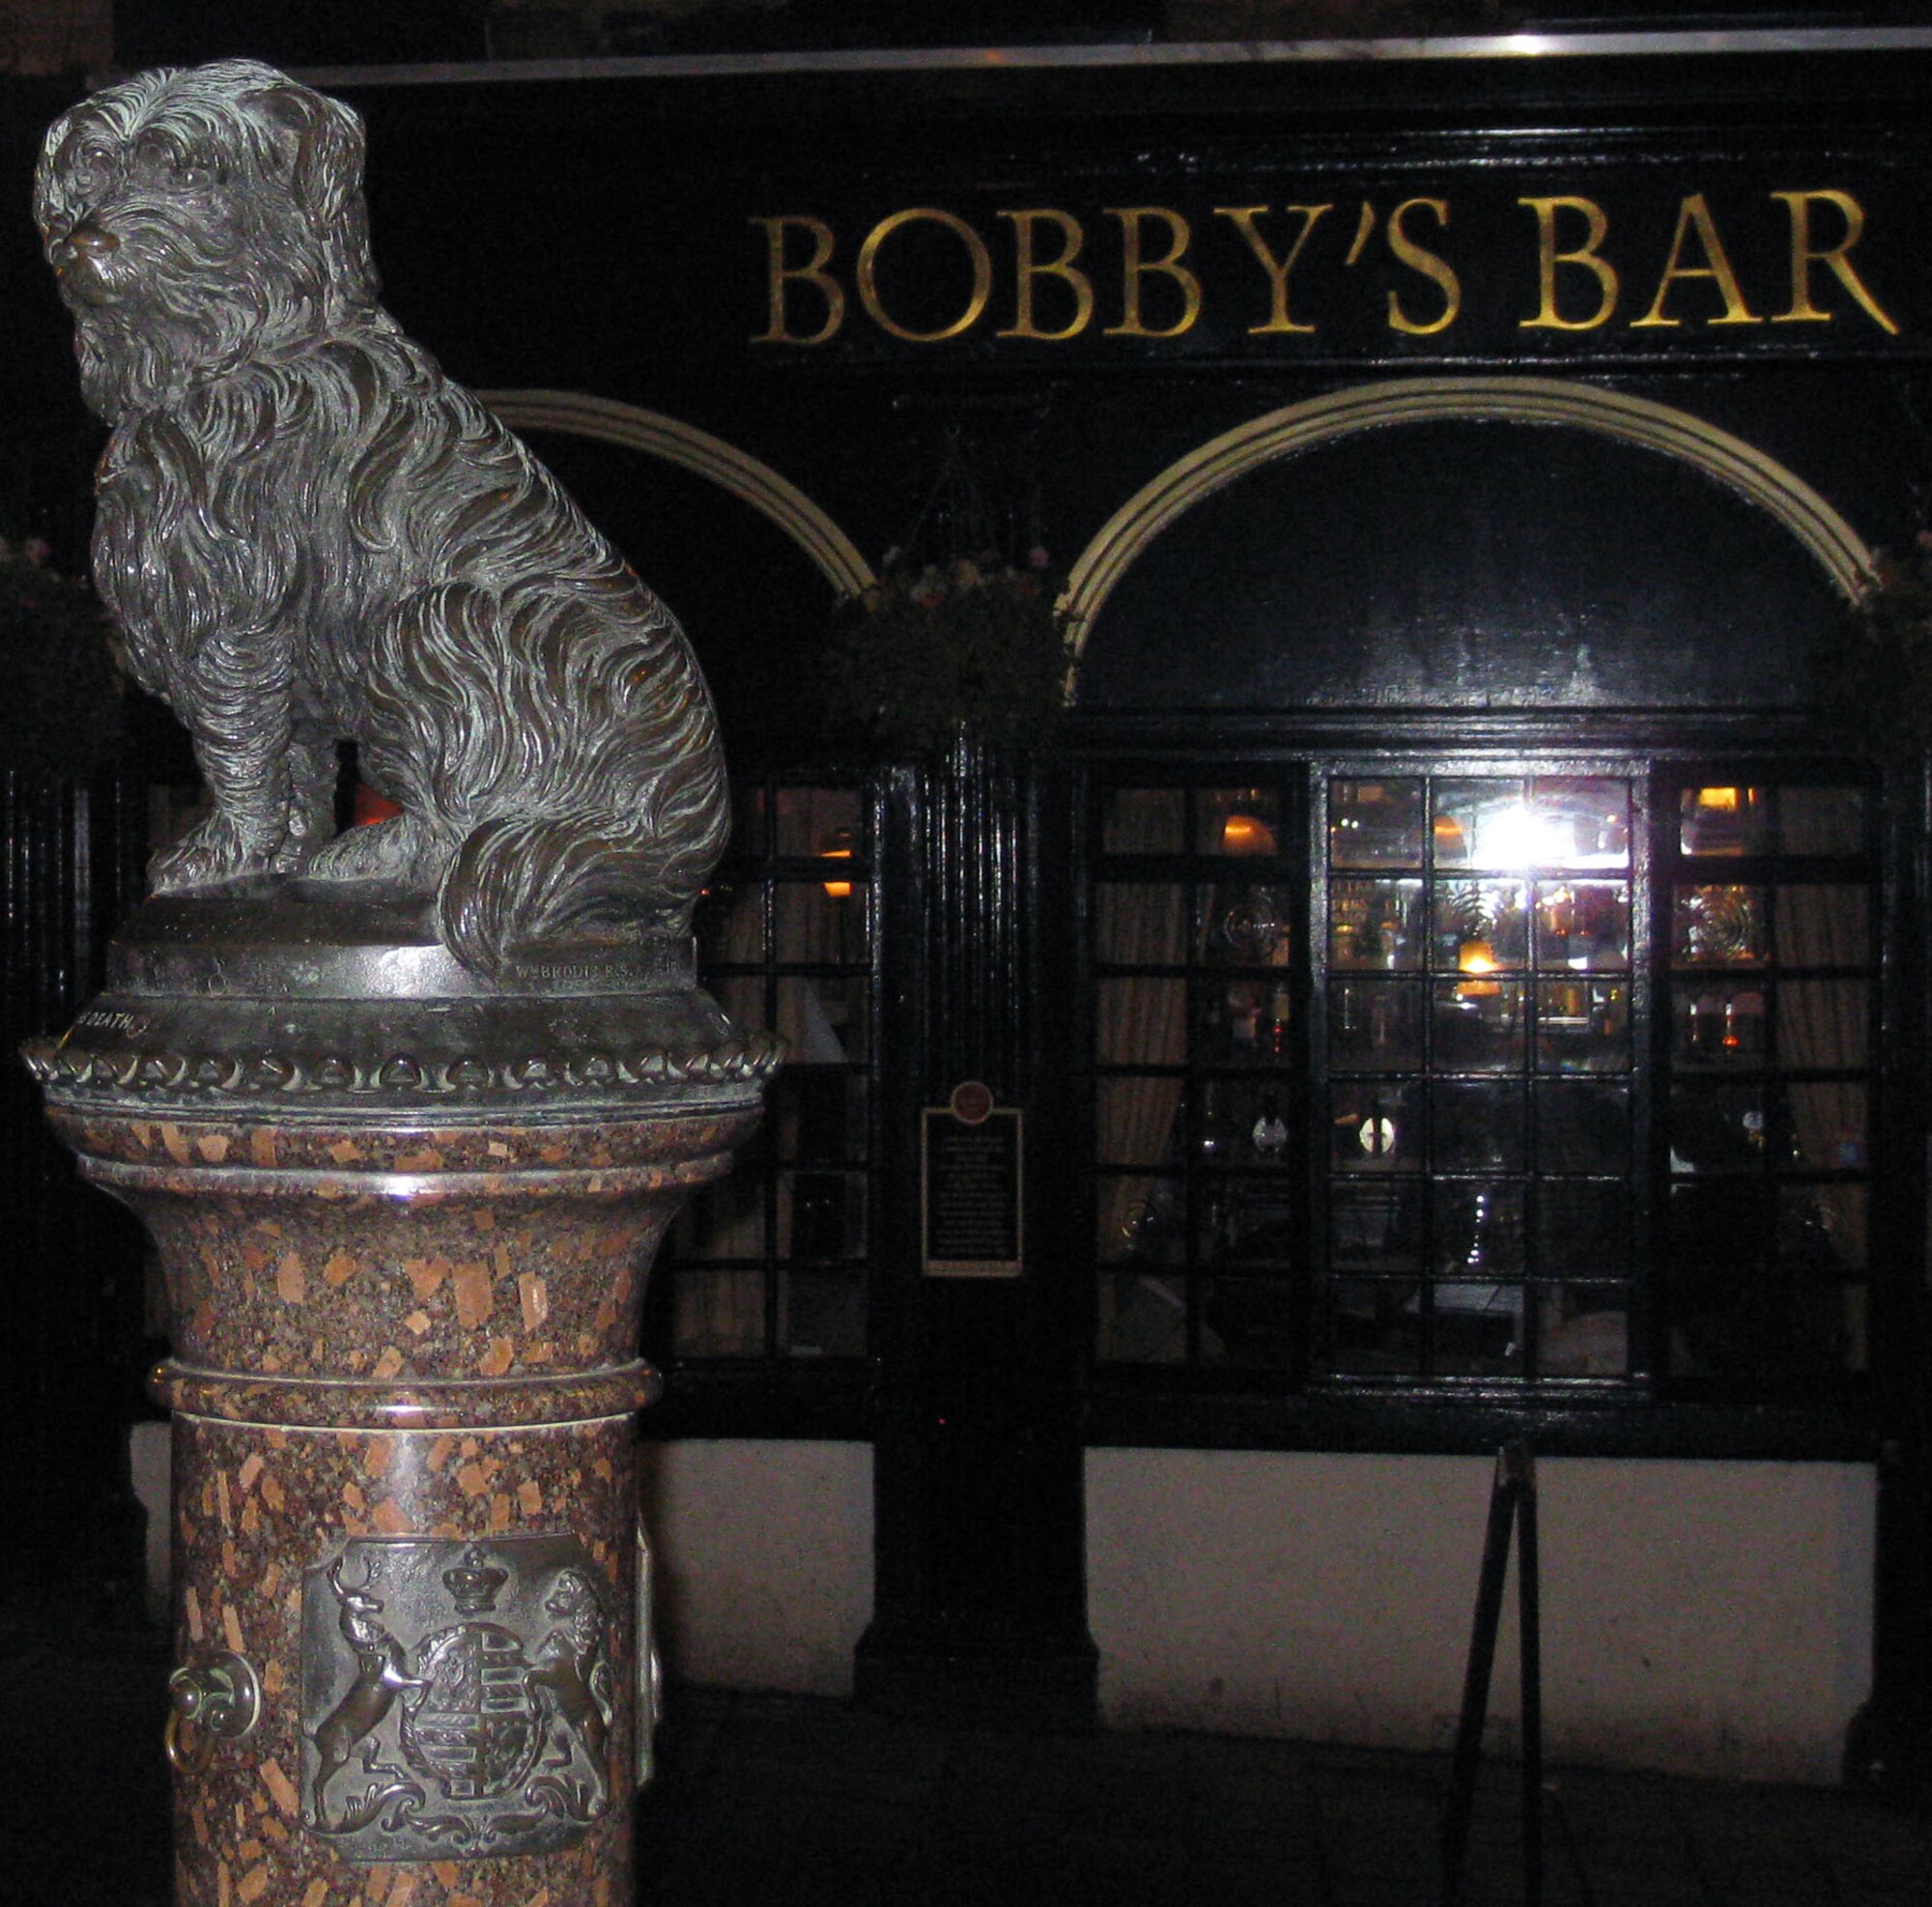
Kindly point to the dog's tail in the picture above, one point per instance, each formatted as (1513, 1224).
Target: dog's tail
(565, 743)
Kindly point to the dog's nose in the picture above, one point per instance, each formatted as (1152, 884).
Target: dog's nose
(91, 240)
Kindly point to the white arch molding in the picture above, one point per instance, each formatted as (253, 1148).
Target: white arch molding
(832, 551)
(1741, 466)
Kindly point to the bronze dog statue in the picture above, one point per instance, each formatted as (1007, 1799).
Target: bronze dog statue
(306, 533)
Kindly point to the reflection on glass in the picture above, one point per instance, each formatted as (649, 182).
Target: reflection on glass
(1374, 823)
(1582, 1126)
(1582, 1026)
(815, 924)
(1481, 925)
(1583, 924)
(1583, 1331)
(1372, 1126)
(1375, 1025)
(724, 1220)
(1141, 1219)
(1586, 820)
(821, 1216)
(1478, 1237)
(1477, 1126)
(1369, 1327)
(1717, 926)
(1237, 821)
(1478, 1026)
(1375, 923)
(1723, 819)
(1143, 821)
(1248, 926)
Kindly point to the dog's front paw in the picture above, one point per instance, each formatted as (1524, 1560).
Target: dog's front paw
(213, 851)
(394, 850)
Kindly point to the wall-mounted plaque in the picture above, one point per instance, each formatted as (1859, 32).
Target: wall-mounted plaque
(969, 1186)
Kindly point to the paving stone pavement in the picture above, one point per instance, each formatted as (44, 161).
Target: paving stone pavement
(771, 1801)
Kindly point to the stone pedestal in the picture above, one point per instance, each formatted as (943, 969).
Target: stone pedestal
(404, 1217)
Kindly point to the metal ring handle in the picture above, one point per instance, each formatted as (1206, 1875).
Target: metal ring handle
(189, 1749)
(217, 1701)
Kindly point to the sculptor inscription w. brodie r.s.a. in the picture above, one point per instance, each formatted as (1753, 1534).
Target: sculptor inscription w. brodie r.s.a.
(1491, 269)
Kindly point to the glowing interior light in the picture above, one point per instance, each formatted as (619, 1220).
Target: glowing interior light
(839, 848)
(1246, 834)
(1519, 837)
(1726, 799)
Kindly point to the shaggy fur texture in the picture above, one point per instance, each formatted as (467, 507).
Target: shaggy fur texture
(308, 532)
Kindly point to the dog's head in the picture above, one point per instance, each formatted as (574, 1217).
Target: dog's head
(197, 217)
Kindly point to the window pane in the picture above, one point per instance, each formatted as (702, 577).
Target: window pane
(1141, 1022)
(1250, 1321)
(1245, 1022)
(1582, 1231)
(1141, 1219)
(1374, 824)
(1824, 1227)
(1375, 1227)
(1375, 1025)
(822, 1314)
(1481, 925)
(1828, 1125)
(1249, 927)
(1824, 1023)
(821, 1216)
(1135, 1120)
(726, 1219)
(1716, 1127)
(1256, 1223)
(1143, 821)
(819, 924)
(1140, 923)
(1376, 923)
(1237, 821)
(719, 1314)
(1373, 1126)
(1241, 1123)
(1478, 1026)
(1824, 926)
(1582, 1026)
(1585, 1333)
(817, 821)
(1723, 820)
(1582, 1126)
(1719, 1023)
(742, 997)
(1479, 824)
(1718, 926)
(823, 1023)
(1479, 1237)
(1369, 1327)
(1822, 820)
(1478, 1126)
(1583, 924)
(1582, 821)
(1142, 1319)
(817, 1115)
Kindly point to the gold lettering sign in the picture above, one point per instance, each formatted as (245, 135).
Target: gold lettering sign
(1578, 264)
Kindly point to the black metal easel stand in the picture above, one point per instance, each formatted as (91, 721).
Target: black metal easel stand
(1512, 1502)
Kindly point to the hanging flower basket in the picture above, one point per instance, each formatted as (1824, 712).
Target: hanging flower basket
(59, 689)
(973, 650)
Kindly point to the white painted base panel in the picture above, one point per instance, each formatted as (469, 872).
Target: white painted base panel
(764, 1562)
(1697, 1617)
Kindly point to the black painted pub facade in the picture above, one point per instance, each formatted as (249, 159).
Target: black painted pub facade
(1450, 984)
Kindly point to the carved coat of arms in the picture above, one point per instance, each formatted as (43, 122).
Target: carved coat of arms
(457, 1696)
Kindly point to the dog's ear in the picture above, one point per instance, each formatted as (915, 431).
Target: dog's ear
(322, 148)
